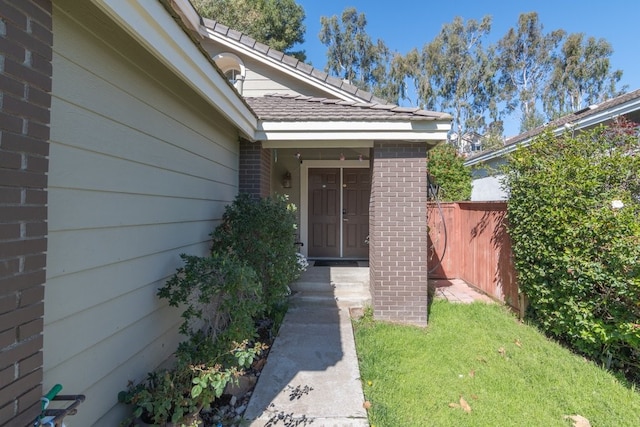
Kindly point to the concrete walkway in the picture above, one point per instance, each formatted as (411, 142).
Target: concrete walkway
(312, 374)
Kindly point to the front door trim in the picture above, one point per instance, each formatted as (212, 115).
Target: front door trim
(304, 193)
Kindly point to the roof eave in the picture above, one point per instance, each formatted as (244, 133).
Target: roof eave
(298, 73)
(150, 24)
(287, 134)
(580, 123)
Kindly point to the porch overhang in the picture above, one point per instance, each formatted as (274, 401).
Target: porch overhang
(348, 133)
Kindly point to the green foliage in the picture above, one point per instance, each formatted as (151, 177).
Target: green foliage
(456, 74)
(581, 76)
(170, 395)
(576, 251)
(221, 297)
(262, 233)
(478, 83)
(446, 167)
(351, 53)
(525, 61)
(276, 23)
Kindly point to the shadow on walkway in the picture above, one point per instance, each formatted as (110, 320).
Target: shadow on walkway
(312, 376)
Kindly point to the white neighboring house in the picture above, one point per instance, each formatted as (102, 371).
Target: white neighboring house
(485, 167)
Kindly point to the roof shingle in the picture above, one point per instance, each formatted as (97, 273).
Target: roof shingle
(286, 107)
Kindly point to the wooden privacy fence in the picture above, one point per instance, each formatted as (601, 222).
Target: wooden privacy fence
(476, 247)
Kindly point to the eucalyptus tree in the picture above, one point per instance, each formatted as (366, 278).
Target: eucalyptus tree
(455, 74)
(582, 75)
(525, 60)
(276, 23)
(353, 56)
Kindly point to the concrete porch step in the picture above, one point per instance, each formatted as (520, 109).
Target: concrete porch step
(329, 299)
(332, 287)
(328, 287)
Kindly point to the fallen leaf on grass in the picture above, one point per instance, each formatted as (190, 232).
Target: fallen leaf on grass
(472, 374)
(578, 420)
(366, 404)
(463, 405)
(502, 351)
(518, 343)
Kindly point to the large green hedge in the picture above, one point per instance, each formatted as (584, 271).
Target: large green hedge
(573, 212)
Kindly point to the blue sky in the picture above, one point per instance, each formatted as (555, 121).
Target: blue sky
(406, 24)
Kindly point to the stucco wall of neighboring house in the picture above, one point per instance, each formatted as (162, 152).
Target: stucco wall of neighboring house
(141, 169)
(487, 189)
(486, 182)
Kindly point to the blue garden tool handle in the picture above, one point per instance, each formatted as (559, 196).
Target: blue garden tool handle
(50, 395)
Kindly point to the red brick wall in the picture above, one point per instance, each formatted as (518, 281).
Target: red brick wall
(25, 101)
(255, 169)
(398, 233)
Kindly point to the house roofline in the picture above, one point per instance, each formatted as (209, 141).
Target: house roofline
(581, 119)
(285, 63)
(170, 39)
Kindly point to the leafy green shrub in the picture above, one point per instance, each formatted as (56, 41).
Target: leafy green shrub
(446, 167)
(221, 297)
(573, 213)
(176, 395)
(262, 233)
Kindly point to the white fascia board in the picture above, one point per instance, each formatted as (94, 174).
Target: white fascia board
(282, 134)
(355, 126)
(155, 29)
(609, 114)
(283, 68)
(345, 139)
(318, 143)
(353, 136)
(585, 122)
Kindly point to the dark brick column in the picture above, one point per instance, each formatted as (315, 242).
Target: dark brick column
(25, 102)
(255, 169)
(398, 233)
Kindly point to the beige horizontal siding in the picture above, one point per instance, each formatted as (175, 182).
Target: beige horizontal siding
(140, 171)
(261, 79)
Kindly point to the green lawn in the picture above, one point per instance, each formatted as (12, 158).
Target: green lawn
(507, 372)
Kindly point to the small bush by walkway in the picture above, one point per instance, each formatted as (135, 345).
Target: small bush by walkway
(476, 365)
